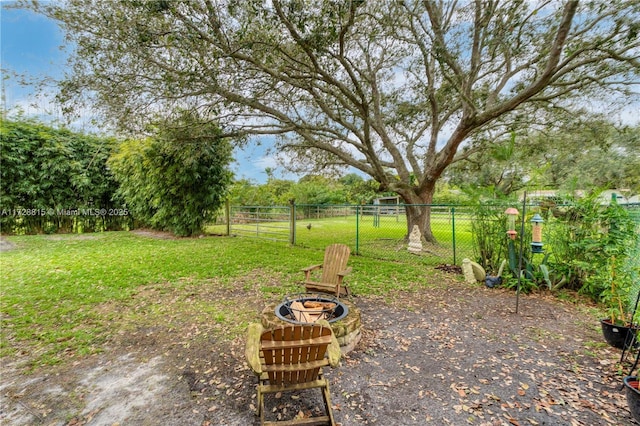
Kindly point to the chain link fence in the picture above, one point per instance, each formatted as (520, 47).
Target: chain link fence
(380, 231)
(377, 231)
(267, 222)
(634, 211)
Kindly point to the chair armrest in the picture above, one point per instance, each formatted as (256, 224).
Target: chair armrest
(252, 350)
(312, 268)
(333, 350)
(307, 271)
(345, 272)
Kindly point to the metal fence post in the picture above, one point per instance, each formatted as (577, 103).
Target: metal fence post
(453, 232)
(227, 212)
(292, 221)
(257, 217)
(357, 228)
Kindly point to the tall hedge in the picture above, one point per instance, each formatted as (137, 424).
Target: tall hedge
(176, 180)
(55, 180)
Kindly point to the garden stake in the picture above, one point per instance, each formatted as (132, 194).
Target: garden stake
(524, 211)
(633, 338)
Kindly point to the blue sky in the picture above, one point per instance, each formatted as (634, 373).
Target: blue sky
(30, 45)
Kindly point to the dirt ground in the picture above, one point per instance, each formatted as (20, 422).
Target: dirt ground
(454, 355)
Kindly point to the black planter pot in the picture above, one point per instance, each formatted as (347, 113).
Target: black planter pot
(633, 396)
(619, 336)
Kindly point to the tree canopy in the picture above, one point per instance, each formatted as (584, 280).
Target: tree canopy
(577, 156)
(399, 90)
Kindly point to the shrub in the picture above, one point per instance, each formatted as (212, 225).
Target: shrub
(45, 171)
(177, 180)
(488, 226)
(591, 242)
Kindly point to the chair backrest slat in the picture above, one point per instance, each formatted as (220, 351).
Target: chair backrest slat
(336, 257)
(280, 344)
(295, 353)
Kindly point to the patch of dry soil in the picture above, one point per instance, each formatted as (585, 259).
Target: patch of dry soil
(451, 356)
(6, 245)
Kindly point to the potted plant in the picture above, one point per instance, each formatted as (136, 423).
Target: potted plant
(633, 396)
(619, 328)
(611, 241)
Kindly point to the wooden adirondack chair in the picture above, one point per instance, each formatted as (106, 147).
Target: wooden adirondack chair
(334, 270)
(291, 358)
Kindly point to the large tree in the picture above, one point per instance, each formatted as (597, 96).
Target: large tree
(394, 89)
(579, 155)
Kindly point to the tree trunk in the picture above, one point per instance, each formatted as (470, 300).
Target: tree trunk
(418, 210)
(420, 215)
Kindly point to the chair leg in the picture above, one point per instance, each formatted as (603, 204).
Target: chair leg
(327, 402)
(261, 405)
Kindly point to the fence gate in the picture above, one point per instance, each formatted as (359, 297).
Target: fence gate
(271, 223)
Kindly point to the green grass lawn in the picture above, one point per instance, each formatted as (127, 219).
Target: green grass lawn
(68, 294)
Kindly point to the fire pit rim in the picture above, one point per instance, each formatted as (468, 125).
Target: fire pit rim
(311, 297)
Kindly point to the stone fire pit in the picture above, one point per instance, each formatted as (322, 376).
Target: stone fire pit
(343, 316)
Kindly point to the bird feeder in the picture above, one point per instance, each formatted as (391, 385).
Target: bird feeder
(511, 213)
(536, 234)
